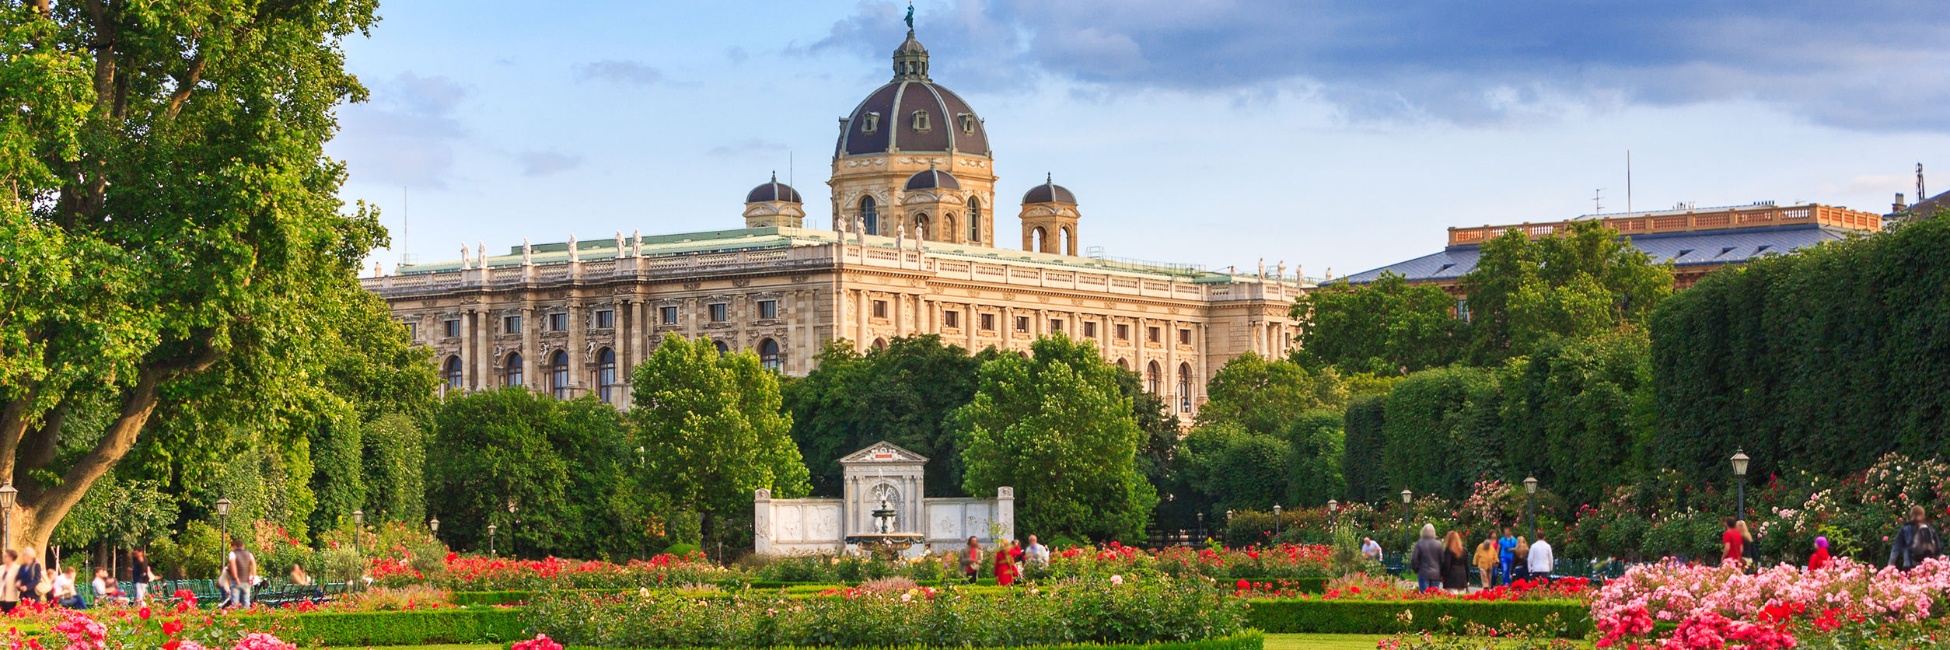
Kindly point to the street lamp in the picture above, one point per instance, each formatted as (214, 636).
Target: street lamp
(1201, 527)
(358, 526)
(7, 497)
(513, 543)
(223, 525)
(433, 526)
(1276, 523)
(1740, 460)
(1408, 496)
(1530, 504)
(1334, 515)
(491, 528)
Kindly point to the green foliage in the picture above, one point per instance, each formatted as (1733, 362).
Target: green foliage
(1385, 327)
(1823, 360)
(1440, 431)
(556, 461)
(410, 628)
(193, 553)
(1576, 413)
(1584, 281)
(126, 514)
(1267, 396)
(1317, 445)
(1251, 472)
(901, 394)
(1362, 452)
(1569, 619)
(394, 463)
(712, 429)
(1058, 430)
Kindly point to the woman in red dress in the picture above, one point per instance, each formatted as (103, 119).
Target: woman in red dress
(1006, 557)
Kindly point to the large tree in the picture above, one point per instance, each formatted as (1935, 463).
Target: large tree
(555, 461)
(1056, 428)
(171, 232)
(713, 430)
(1266, 396)
(902, 394)
(1385, 327)
(1524, 293)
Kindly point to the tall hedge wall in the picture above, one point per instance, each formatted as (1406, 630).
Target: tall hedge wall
(1440, 431)
(1822, 360)
(1361, 458)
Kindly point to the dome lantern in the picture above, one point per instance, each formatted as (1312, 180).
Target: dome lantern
(773, 205)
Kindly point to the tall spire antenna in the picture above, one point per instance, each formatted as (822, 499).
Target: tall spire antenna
(1598, 201)
(1920, 196)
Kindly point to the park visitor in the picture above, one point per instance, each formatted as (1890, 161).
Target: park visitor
(104, 589)
(1037, 553)
(1520, 560)
(299, 577)
(141, 575)
(1819, 560)
(64, 591)
(971, 560)
(1542, 561)
(1506, 553)
(1749, 551)
(30, 578)
(9, 588)
(1425, 559)
(1006, 556)
(1732, 543)
(1370, 549)
(1486, 561)
(240, 570)
(1916, 541)
(1455, 563)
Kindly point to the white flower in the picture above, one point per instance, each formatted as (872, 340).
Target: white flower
(1116, 579)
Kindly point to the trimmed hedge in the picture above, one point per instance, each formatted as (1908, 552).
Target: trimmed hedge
(1294, 616)
(1243, 641)
(420, 627)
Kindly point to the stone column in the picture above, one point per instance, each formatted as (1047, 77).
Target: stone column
(762, 521)
(578, 331)
(971, 323)
(529, 350)
(466, 349)
(1170, 380)
(1005, 511)
(864, 306)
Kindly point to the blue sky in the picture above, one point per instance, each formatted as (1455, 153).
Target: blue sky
(1342, 134)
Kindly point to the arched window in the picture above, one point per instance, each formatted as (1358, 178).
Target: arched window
(1123, 364)
(722, 348)
(1185, 387)
(606, 375)
(511, 373)
(450, 372)
(1065, 244)
(975, 221)
(1152, 382)
(558, 375)
(1036, 238)
(769, 356)
(870, 215)
(880, 344)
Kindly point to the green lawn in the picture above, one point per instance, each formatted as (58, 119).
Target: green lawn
(1321, 641)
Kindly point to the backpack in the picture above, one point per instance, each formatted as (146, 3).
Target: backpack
(1923, 543)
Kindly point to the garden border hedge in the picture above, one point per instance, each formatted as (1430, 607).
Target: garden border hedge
(1297, 616)
(418, 627)
(1243, 641)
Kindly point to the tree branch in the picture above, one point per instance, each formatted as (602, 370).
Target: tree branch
(37, 450)
(186, 84)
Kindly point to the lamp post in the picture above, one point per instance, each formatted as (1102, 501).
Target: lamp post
(1740, 460)
(1530, 504)
(1276, 523)
(358, 530)
(1334, 515)
(1201, 527)
(491, 528)
(223, 526)
(514, 548)
(8, 495)
(433, 526)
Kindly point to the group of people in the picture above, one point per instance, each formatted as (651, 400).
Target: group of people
(24, 579)
(1444, 563)
(1915, 542)
(1010, 559)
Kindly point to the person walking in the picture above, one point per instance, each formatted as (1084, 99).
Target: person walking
(1486, 561)
(971, 560)
(240, 569)
(1425, 559)
(9, 586)
(1732, 543)
(31, 578)
(1542, 562)
(1455, 563)
(1506, 554)
(1749, 551)
(1006, 557)
(1916, 541)
(1520, 561)
(1037, 553)
(141, 575)
(1819, 560)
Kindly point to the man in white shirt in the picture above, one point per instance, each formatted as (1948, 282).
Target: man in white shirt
(1541, 560)
(1036, 552)
(1371, 549)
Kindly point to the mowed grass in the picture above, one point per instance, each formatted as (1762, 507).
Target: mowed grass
(1321, 641)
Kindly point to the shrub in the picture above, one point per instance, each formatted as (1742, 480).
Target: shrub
(421, 627)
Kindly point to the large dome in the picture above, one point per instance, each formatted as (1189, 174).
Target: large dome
(912, 114)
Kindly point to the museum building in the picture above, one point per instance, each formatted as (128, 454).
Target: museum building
(911, 249)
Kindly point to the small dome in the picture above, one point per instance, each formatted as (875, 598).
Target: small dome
(932, 179)
(1049, 192)
(773, 191)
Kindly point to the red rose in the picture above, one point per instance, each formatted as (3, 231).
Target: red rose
(172, 627)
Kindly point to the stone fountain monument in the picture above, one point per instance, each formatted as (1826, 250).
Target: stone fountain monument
(882, 511)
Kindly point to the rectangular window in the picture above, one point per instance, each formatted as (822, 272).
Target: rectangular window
(1022, 324)
(1153, 335)
(1123, 332)
(669, 315)
(510, 324)
(1089, 330)
(768, 309)
(988, 322)
(412, 331)
(451, 326)
(951, 319)
(558, 322)
(720, 312)
(879, 309)
(1184, 337)
(605, 319)
(1055, 326)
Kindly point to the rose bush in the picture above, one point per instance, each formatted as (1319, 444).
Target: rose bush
(1769, 609)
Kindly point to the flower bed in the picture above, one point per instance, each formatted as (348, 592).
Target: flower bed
(1708, 607)
(1362, 587)
(502, 574)
(1096, 611)
(1565, 619)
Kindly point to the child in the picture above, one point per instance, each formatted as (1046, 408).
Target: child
(1820, 559)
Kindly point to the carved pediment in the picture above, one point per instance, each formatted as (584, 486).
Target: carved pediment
(882, 452)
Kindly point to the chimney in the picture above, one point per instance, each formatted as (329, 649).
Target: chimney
(1899, 207)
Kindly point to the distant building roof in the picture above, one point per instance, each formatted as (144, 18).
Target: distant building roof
(1683, 249)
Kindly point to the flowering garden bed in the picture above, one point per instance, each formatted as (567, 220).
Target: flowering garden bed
(1854, 605)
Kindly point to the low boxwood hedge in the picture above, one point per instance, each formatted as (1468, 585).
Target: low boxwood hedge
(1242, 641)
(419, 627)
(1298, 616)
